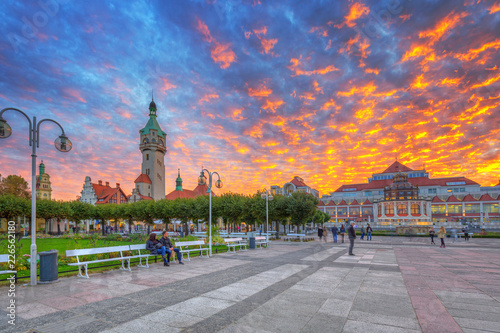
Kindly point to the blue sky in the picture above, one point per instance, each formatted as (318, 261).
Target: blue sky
(257, 90)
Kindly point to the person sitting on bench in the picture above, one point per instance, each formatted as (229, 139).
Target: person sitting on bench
(165, 241)
(155, 247)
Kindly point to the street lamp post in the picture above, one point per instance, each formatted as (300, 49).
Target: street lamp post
(62, 143)
(218, 184)
(268, 196)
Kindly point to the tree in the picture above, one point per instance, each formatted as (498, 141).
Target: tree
(164, 210)
(301, 206)
(15, 185)
(183, 209)
(144, 210)
(201, 208)
(230, 207)
(12, 206)
(80, 211)
(103, 213)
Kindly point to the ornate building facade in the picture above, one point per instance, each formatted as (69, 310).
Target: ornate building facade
(43, 188)
(297, 184)
(441, 201)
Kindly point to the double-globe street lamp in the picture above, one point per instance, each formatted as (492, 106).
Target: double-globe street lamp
(62, 143)
(269, 197)
(218, 184)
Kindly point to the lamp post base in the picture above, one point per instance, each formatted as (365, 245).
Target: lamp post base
(33, 265)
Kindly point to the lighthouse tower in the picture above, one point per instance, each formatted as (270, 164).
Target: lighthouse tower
(151, 182)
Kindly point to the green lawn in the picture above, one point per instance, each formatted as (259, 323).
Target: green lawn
(62, 244)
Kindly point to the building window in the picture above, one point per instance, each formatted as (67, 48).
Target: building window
(415, 209)
(454, 209)
(147, 157)
(389, 209)
(368, 193)
(432, 191)
(490, 208)
(472, 209)
(402, 209)
(438, 209)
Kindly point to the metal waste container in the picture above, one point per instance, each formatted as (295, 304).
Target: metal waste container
(251, 240)
(48, 266)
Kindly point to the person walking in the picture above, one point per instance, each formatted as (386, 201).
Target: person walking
(335, 231)
(363, 233)
(441, 235)
(432, 233)
(352, 236)
(155, 247)
(325, 233)
(342, 232)
(465, 230)
(454, 234)
(320, 233)
(368, 232)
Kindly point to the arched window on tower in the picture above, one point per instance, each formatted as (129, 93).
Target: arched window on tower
(147, 157)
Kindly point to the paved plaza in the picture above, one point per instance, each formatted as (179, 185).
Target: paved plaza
(392, 284)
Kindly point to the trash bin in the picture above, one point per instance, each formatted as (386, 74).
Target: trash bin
(251, 240)
(48, 266)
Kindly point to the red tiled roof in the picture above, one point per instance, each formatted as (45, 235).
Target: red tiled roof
(498, 197)
(397, 167)
(180, 194)
(367, 202)
(143, 179)
(330, 203)
(297, 182)
(342, 202)
(469, 197)
(105, 193)
(486, 197)
(436, 199)
(452, 198)
(355, 202)
(145, 197)
(202, 190)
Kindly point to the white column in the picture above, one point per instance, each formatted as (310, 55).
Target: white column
(481, 212)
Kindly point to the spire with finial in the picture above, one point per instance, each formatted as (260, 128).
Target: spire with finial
(42, 168)
(178, 181)
(152, 105)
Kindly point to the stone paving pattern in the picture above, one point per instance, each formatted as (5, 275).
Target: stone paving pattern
(392, 284)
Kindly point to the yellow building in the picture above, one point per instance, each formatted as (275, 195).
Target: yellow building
(43, 188)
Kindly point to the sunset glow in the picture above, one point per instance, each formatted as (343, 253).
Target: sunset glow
(258, 91)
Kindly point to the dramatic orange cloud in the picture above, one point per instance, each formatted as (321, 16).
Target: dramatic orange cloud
(296, 67)
(222, 53)
(356, 11)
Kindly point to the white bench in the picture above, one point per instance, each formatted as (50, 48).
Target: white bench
(98, 250)
(146, 254)
(5, 258)
(296, 236)
(182, 250)
(232, 243)
(460, 234)
(261, 240)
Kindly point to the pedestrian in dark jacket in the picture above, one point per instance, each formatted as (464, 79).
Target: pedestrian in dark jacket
(155, 247)
(342, 232)
(432, 233)
(165, 241)
(363, 233)
(368, 232)
(335, 231)
(320, 233)
(352, 236)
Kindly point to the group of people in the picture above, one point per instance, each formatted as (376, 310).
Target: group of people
(441, 234)
(351, 233)
(322, 232)
(164, 247)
